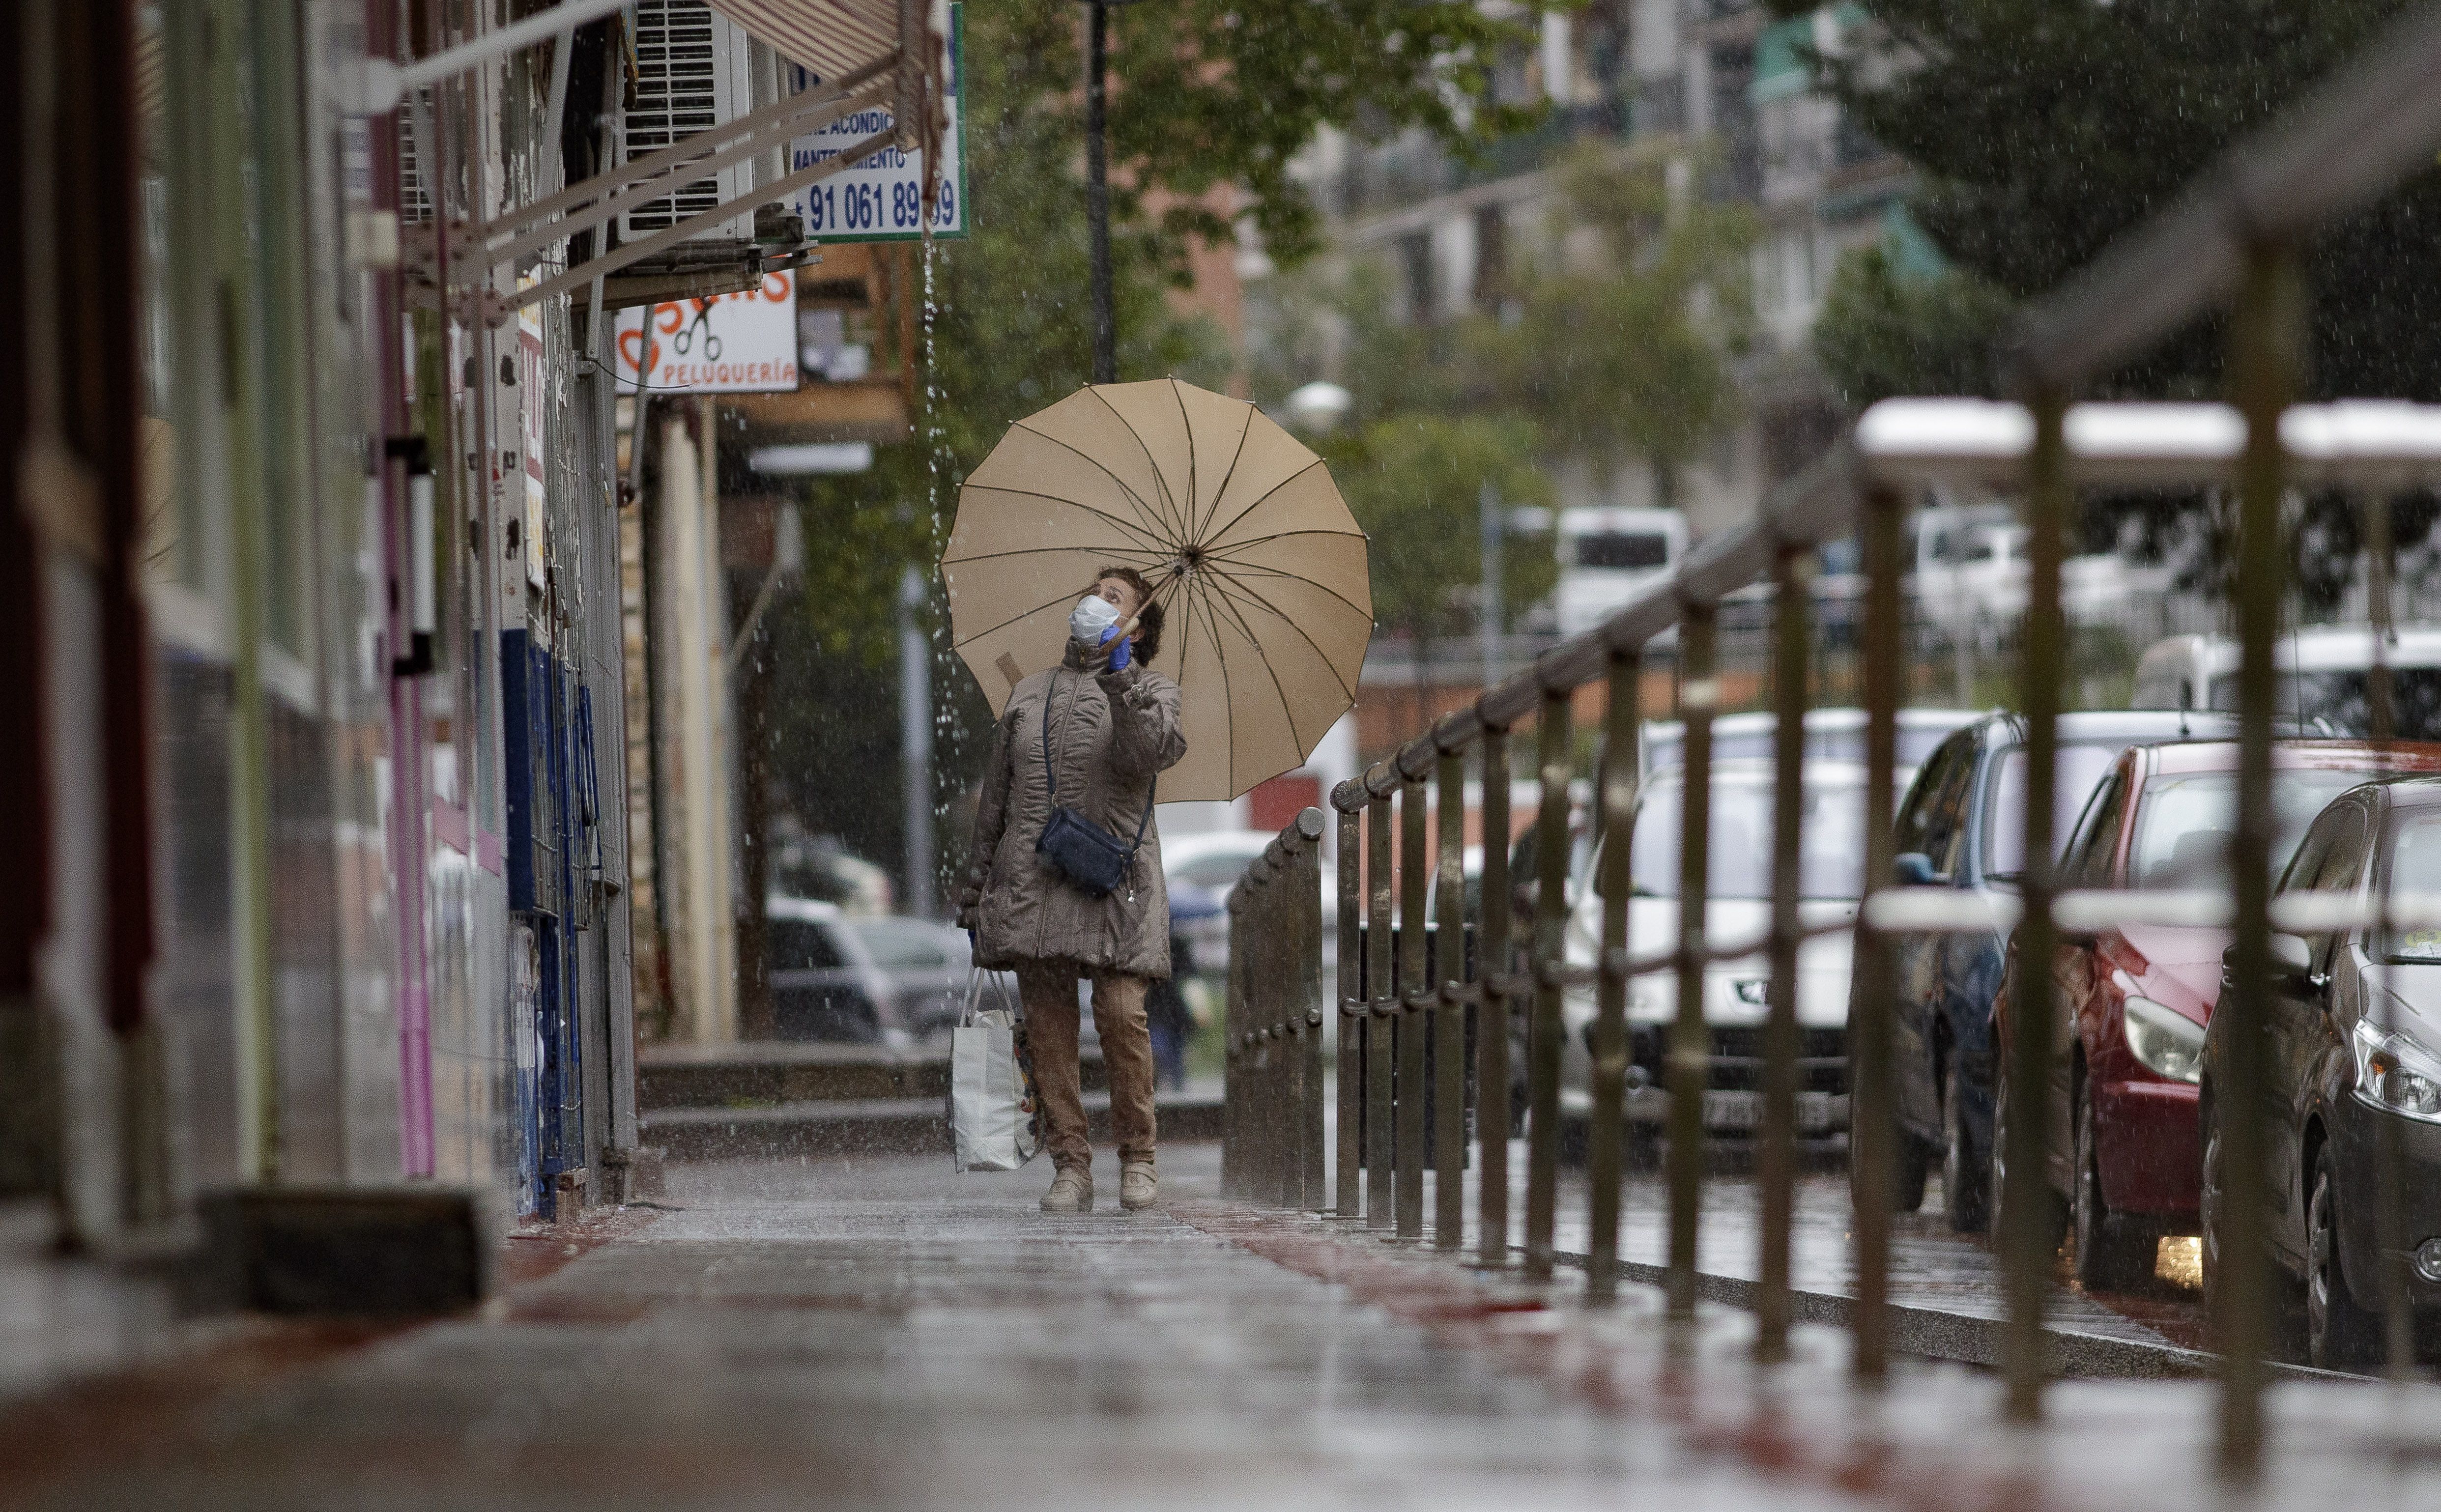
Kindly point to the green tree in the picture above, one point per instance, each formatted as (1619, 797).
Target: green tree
(1882, 333)
(1621, 351)
(2041, 130)
(1415, 482)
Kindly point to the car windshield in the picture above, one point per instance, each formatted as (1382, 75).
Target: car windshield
(2416, 867)
(1832, 852)
(2004, 817)
(2344, 699)
(2182, 829)
(904, 943)
(1841, 745)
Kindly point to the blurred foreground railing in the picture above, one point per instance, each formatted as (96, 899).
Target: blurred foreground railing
(2236, 235)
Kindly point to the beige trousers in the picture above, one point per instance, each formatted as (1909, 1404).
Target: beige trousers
(1048, 989)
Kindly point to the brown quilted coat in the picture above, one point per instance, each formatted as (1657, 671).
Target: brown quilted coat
(1111, 732)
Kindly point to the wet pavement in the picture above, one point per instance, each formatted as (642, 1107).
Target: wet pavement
(883, 1333)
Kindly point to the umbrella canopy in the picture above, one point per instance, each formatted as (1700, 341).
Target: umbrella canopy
(1250, 549)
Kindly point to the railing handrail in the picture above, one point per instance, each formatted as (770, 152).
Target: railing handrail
(1814, 505)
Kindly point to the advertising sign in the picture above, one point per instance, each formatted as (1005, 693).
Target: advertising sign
(730, 343)
(880, 197)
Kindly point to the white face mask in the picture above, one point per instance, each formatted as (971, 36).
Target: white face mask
(1093, 615)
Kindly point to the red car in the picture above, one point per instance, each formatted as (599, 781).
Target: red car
(2134, 998)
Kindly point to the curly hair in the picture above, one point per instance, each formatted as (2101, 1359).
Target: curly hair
(1148, 617)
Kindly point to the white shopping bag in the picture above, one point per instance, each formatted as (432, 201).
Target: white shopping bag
(994, 1119)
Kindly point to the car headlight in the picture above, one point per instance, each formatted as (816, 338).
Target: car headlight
(2394, 1071)
(2163, 1040)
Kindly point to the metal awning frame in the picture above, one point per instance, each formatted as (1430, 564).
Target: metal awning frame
(618, 190)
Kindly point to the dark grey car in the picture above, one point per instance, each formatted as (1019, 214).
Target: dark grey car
(863, 977)
(2352, 1048)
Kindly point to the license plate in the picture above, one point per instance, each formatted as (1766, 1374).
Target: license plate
(1733, 1110)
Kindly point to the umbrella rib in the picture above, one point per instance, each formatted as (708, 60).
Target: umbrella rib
(1227, 701)
(1243, 431)
(1178, 397)
(1235, 588)
(1169, 505)
(1296, 736)
(967, 641)
(1234, 568)
(1269, 491)
(1150, 536)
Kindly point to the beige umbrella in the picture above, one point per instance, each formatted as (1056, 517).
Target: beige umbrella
(1250, 549)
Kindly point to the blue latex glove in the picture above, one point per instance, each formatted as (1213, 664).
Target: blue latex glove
(1120, 652)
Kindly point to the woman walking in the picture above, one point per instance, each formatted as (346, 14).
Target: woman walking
(1065, 881)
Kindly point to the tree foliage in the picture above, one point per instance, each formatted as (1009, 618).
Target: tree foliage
(1229, 91)
(1415, 482)
(1882, 334)
(1620, 349)
(2041, 130)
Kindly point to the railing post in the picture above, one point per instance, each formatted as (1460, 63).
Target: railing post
(1237, 1064)
(1873, 1122)
(1493, 970)
(1414, 997)
(1349, 1118)
(1273, 985)
(1313, 1013)
(1381, 1022)
(1791, 661)
(2390, 1232)
(1689, 1064)
(1608, 1132)
(2265, 345)
(1555, 760)
(1449, 1016)
(2029, 1233)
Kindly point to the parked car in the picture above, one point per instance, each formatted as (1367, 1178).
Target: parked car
(2324, 671)
(1960, 825)
(1738, 909)
(2125, 1149)
(864, 978)
(2354, 1044)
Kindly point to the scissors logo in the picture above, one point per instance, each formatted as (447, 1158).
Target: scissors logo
(685, 340)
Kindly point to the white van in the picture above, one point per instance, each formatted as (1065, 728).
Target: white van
(1610, 554)
(2323, 671)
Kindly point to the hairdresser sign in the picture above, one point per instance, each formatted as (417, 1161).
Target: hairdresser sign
(729, 344)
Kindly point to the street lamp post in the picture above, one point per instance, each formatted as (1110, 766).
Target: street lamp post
(1097, 187)
(1097, 192)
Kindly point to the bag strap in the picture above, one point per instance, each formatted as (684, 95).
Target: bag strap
(1051, 778)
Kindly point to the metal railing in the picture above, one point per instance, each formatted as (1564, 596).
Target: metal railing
(2237, 234)
(1272, 1124)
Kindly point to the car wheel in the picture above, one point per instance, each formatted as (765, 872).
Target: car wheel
(2052, 1211)
(2339, 1335)
(2113, 1252)
(2208, 1215)
(1914, 1171)
(1962, 1171)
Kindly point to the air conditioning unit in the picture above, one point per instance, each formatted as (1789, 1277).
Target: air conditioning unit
(694, 70)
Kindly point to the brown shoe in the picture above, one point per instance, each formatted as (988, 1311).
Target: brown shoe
(1138, 1186)
(1072, 1191)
